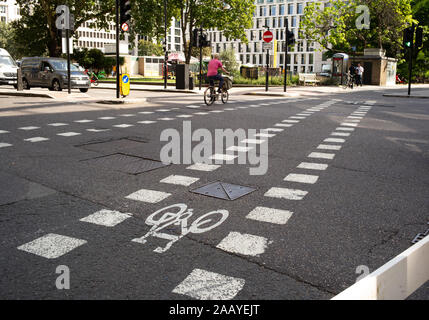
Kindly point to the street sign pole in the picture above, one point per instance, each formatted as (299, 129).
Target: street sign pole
(165, 46)
(68, 59)
(117, 50)
(266, 73)
(411, 61)
(286, 49)
(201, 56)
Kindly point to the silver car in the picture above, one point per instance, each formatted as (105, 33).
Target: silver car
(52, 73)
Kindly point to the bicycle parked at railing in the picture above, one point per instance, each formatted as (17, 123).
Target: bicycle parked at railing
(210, 95)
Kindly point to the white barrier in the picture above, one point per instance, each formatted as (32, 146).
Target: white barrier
(395, 280)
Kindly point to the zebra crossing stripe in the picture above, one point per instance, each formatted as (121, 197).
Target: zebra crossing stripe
(57, 124)
(180, 180)
(52, 245)
(340, 134)
(285, 125)
(203, 167)
(68, 134)
(149, 196)
(36, 139)
(312, 166)
(123, 125)
(245, 244)
(106, 218)
(345, 129)
(4, 145)
(335, 140)
(3, 131)
(270, 215)
(205, 285)
(328, 147)
(239, 148)
(321, 155)
(285, 193)
(29, 128)
(302, 178)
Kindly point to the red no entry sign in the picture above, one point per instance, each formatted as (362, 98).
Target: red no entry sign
(268, 36)
(125, 27)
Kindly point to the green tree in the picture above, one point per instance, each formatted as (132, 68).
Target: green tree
(36, 32)
(148, 48)
(334, 26)
(149, 18)
(229, 60)
(7, 40)
(207, 51)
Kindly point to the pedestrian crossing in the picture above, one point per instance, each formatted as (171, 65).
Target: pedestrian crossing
(207, 284)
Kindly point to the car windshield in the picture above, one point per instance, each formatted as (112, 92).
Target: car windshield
(62, 65)
(7, 61)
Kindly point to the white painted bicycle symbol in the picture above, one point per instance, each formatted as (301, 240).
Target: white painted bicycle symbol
(178, 215)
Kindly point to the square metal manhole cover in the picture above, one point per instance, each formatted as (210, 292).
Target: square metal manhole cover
(126, 163)
(116, 145)
(223, 190)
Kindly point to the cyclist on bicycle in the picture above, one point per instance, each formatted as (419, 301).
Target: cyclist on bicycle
(213, 74)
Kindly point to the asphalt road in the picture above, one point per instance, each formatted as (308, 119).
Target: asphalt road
(300, 235)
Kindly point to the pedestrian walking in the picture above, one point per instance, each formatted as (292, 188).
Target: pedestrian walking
(360, 70)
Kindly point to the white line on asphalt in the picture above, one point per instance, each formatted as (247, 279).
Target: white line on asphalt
(239, 148)
(301, 178)
(340, 134)
(274, 130)
(265, 135)
(285, 193)
(29, 128)
(320, 155)
(312, 166)
(162, 110)
(290, 121)
(285, 125)
(36, 139)
(165, 119)
(203, 167)
(192, 107)
(185, 116)
(3, 131)
(253, 141)
(270, 215)
(146, 122)
(52, 245)
(124, 125)
(180, 180)
(84, 121)
(245, 244)
(201, 113)
(229, 109)
(335, 140)
(354, 117)
(5, 145)
(146, 112)
(295, 117)
(223, 157)
(216, 111)
(205, 285)
(57, 124)
(97, 130)
(352, 120)
(345, 129)
(149, 196)
(106, 218)
(127, 115)
(107, 118)
(68, 134)
(328, 147)
(345, 124)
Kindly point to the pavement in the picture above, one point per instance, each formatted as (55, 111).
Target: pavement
(346, 186)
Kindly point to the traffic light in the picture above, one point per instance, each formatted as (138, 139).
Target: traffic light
(290, 38)
(195, 37)
(203, 41)
(408, 37)
(419, 37)
(125, 11)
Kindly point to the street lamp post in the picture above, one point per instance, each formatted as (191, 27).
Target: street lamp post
(286, 50)
(165, 45)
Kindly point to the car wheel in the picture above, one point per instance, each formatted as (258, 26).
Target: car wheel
(56, 86)
(25, 84)
(83, 90)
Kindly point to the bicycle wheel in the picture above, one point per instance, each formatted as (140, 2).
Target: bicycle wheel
(205, 222)
(224, 96)
(95, 83)
(166, 215)
(209, 96)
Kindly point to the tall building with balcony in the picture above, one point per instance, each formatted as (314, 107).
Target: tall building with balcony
(303, 57)
(9, 11)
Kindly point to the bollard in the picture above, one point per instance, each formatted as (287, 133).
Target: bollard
(19, 86)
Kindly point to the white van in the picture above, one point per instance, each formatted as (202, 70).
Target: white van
(8, 69)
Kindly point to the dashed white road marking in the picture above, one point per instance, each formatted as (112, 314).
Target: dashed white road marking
(354, 117)
(36, 139)
(84, 121)
(52, 245)
(223, 157)
(97, 130)
(201, 113)
(29, 128)
(68, 134)
(285, 125)
(328, 147)
(295, 117)
(146, 112)
(320, 155)
(106, 218)
(274, 130)
(149, 196)
(340, 134)
(5, 145)
(285, 193)
(245, 244)
(229, 109)
(127, 115)
(253, 141)
(205, 285)
(345, 129)
(162, 110)
(345, 124)
(165, 119)
(239, 148)
(146, 122)
(203, 167)
(302, 178)
(265, 135)
(107, 118)
(180, 180)
(270, 215)
(312, 166)
(185, 116)
(57, 124)
(193, 107)
(123, 125)
(352, 120)
(291, 121)
(216, 111)
(335, 140)
(3, 131)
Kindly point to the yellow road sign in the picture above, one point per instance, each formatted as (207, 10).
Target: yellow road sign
(125, 84)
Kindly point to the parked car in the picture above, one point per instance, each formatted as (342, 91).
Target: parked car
(8, 69)
(52, 73)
